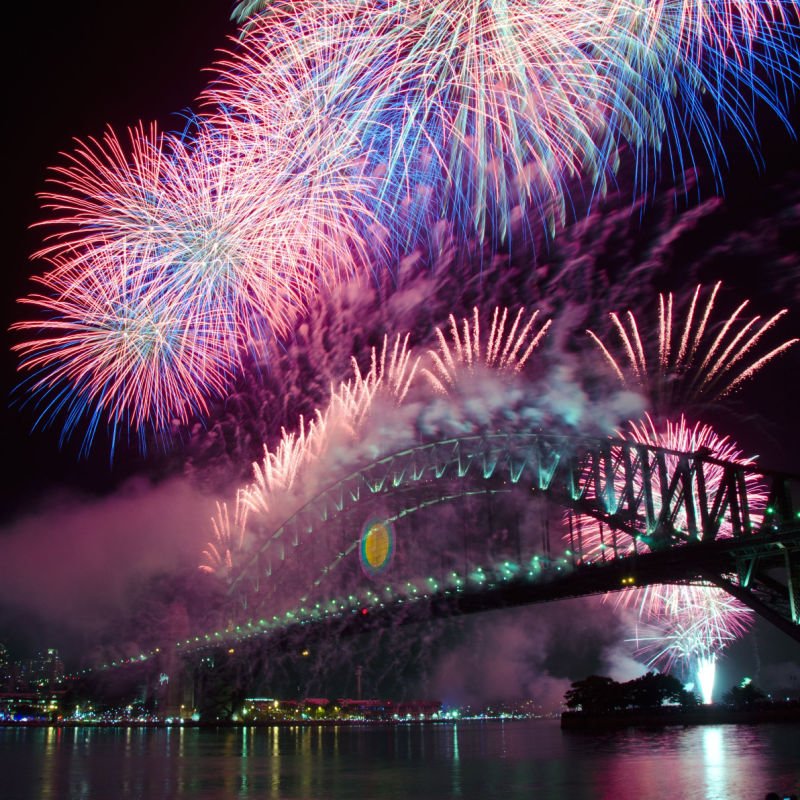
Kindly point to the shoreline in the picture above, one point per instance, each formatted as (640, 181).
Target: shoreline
(664, 717)
(306, 723)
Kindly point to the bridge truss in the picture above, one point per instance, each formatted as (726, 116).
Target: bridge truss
(667, 521)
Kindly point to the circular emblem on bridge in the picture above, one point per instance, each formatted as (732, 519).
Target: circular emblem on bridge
(377, 546)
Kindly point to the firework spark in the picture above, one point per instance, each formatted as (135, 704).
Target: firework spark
(275, 483)
(480, 111)
(701, 360)
(697, 627)
(221, 552)
(505, 350)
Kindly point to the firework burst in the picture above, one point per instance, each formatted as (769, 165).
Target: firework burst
(482, 111)
(692, 633)
(190, 251)
(702, 359)
(505, 350)
(113, 351)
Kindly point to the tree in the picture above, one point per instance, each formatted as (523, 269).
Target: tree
(594, 695)
(598, 694)
(653, 690)
(744, 696)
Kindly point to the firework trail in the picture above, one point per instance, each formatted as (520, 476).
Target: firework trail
(467, 113)
(228, 541)
(487, 111)
(700, 360)
(501, 351)
(275, 488)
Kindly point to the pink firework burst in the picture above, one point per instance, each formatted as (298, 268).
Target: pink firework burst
(112, 351)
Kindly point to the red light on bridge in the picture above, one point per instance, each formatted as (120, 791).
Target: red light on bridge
(364, 612)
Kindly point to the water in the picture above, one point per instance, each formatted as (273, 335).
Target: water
(528, 759)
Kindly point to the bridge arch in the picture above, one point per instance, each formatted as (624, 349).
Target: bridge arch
(659, 500)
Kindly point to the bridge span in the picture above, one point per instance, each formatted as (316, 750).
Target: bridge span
(467, 539)
(489, 522)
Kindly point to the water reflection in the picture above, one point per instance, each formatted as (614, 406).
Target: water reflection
(456, 768)
(714, 761)
(467, 761)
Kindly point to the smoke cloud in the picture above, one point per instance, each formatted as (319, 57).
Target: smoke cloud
(72, 563)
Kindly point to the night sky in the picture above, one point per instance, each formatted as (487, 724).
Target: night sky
(73, 68)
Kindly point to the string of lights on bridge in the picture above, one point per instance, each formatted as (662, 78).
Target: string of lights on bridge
(411, 591)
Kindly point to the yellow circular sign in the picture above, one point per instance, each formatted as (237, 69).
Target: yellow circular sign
(376, 546)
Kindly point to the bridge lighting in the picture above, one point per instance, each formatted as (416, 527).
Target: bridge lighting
(364, 612)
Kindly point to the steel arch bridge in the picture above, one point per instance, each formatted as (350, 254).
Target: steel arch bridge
(666, 520)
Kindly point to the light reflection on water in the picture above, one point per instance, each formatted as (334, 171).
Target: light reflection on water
(532, 759)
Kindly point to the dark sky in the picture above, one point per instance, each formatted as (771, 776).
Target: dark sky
(72, 68)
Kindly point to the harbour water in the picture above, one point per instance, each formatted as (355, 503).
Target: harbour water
(530, 759)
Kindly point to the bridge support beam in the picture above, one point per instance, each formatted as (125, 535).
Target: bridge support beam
(790, 628)
(792, 556)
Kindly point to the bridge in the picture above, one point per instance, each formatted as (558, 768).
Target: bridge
(663, 516)
(495, 521)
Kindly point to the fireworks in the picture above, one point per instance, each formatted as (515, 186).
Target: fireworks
(679, 437)
(274, 487)
(110, 350)
(277, 489)
(692, 621)
(168, 260)
(337, 135)
(340, 135)
(228, 539)
(461, 111)
(702, 359)
(479, 112)
(504, 351)
(694, 628)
